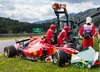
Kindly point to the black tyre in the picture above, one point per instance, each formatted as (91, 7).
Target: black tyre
(10, 51)
(60, 58)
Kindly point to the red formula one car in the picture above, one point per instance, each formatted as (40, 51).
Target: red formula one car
(31, 48)
(37, 48)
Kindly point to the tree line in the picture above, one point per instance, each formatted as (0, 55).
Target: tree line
(8, 25)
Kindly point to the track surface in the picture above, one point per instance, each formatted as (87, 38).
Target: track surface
(4, 43)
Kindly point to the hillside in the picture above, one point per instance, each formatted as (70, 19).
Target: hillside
(78, 17)
(82, 16)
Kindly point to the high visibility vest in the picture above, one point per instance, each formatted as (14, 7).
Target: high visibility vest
(87, 29)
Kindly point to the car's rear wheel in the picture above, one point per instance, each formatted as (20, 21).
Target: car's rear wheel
(10, 51)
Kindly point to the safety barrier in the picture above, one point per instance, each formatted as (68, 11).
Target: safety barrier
(20, 34)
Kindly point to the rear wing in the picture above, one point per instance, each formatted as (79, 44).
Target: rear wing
(23, 40)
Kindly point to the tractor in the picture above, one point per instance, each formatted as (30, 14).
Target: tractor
(60, 23)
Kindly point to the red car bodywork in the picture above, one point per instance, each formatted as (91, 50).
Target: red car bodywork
(37, 47)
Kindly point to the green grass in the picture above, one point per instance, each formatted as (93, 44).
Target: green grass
(96, 45)
(20, 65)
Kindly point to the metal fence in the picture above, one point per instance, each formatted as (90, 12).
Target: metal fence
(20, 34)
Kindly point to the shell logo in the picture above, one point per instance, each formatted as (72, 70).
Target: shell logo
(73, 55)
(54, 49)
(35, 52)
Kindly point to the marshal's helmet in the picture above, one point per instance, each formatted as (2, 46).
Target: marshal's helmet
(52, 26)
(66, 28)
(89, 20)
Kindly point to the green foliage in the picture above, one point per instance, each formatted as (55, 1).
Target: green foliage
(97, 22)
(3, 30)
(96, 44)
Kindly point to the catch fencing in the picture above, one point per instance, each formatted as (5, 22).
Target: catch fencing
(21, 34)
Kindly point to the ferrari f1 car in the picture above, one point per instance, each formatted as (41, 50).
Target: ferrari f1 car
(30, 48)
(35, 48)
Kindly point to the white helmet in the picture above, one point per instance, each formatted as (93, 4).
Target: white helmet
(88, 20)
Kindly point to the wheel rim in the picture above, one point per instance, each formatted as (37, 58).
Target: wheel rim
(55, 60)
(6, 52)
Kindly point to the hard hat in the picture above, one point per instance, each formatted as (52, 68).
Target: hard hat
(66, 28)
(52, 27)
(88, 20)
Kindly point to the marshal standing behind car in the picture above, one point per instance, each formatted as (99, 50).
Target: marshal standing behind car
(87, 31)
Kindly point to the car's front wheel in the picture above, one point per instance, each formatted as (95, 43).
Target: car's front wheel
(60, 58)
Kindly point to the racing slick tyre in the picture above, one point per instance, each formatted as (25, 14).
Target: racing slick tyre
(60, 58)
(10, 51)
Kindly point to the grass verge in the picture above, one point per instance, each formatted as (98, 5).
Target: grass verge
(21, 65)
